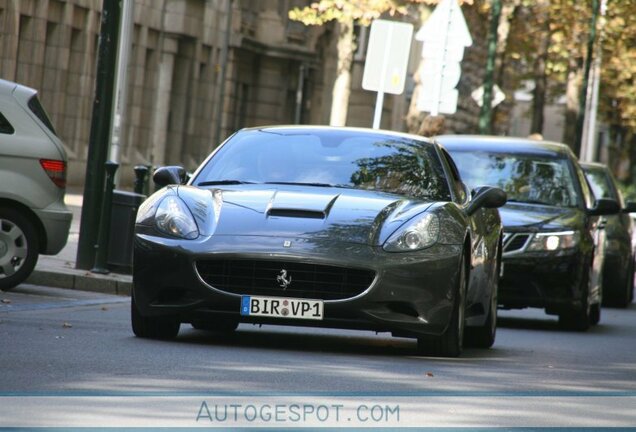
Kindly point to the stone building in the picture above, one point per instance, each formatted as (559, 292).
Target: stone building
(177, 109)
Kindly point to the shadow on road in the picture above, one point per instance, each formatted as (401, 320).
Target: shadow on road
(286, 339)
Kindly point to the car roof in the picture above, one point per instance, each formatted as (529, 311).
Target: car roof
(323, 128)
(8, 87)
(502, 144)
(593, 165)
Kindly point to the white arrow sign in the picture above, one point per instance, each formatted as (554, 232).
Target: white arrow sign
(446, 22)
(497, 96)
(444, 36)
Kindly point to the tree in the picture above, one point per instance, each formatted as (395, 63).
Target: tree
(347, 13)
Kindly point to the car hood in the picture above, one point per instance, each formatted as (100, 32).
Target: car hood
(532, 217)
(348, 215)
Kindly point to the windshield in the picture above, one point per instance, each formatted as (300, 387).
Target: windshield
(349, 159)
(525, 178)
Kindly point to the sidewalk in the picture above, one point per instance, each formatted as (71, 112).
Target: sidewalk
(59, 270)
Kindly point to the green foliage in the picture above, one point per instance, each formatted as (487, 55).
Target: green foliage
(360, 11)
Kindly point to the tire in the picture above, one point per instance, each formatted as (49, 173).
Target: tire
(152, 327)
(484, 335)
(595, 314)
(579, 319)
(449, 343)
(217, 325)
(624, 298)
(19, 248)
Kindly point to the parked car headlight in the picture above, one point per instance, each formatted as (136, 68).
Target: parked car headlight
(552, 241)
(420, 233)
(174, 218)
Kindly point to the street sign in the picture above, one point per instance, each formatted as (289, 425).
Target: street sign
(387, 56)
(387, 60)
(498, 96)
(445, 35)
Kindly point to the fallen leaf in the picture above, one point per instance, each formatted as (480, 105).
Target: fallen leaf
(67, 325)
(429, 374)
(6, 301)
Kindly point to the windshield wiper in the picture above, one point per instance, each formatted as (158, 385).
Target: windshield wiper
(309, 184)
(529, 201)
(224, 182)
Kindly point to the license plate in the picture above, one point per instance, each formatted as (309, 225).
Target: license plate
(281, 307)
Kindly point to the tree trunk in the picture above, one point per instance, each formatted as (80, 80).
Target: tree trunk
(414, 116)
(342, 86)
(540, 79)
(572, 101)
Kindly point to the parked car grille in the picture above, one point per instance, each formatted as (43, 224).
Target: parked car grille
(516, 242)
(256, 277)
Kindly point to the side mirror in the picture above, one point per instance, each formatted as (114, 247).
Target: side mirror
(630, 207)
(169, 175)
(486, 197)
(604, 206)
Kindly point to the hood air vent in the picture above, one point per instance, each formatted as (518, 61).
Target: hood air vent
(296, 213)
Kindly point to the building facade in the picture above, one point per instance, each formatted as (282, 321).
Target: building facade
(197, 71)
(177, 108)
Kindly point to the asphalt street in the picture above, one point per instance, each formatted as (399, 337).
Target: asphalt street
(58, 342)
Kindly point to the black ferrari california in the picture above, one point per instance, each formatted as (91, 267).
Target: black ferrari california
(554, 239)
(319, 226)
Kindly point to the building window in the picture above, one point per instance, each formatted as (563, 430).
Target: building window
(361, 34)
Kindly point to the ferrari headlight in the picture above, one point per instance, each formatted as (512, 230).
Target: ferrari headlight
(174, 218)
(551, 241)
(420, 233)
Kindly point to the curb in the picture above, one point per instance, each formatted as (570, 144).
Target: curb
(82, 280)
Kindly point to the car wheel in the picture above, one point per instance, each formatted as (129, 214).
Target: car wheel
(595, 314)
(152, 327)
(624, 298)
(580, 318)
(484, 335)
(217, 325)
(450, 343)
(19, 248)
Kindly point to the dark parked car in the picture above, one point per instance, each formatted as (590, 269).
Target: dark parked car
(553, 244)
(618, 267)
(317, 226)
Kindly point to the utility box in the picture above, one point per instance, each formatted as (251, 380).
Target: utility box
(122, 230)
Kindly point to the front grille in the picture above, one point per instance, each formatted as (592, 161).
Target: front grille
(516, 243)
(259, 277)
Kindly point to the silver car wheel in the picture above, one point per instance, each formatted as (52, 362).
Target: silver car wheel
(13, 248)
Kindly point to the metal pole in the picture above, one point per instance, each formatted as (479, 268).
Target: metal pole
(300, 94)
(101, 247)
(589, 144)
(586, 76)
(99, 134)
(141, 172)
(121, 80)
(485, 115)
(221, 84)
(379, 104)
(379, 101)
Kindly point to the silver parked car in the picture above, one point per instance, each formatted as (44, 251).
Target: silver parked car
(33, 217)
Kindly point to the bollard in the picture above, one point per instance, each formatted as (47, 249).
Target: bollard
(101, 254)
(141, 172)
